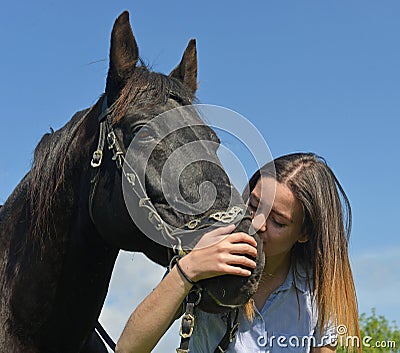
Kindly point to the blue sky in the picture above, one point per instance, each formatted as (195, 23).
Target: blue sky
(310, 75)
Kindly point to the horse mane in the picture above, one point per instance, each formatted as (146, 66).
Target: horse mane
(53, 154)
(51, 157)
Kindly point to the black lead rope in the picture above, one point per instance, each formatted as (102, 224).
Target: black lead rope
(187, 325)
(231, 329)
(188, 320)
(104, 335)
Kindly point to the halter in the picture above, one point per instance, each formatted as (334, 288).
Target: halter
(169, 234)
(107, 134)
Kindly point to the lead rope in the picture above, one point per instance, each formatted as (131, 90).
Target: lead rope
(192, 299)
(104, 335)
(188, 319)
(231, 329)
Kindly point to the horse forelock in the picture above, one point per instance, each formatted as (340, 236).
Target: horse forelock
(146, 87)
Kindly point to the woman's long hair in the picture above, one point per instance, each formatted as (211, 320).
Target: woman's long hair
(327, 221)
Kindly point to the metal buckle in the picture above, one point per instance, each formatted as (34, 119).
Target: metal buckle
(116, 155)
(180, 350)
(111, 138)
(190, 318)
(131, 178)
(96, 159)
(228, 216)
(193, 223)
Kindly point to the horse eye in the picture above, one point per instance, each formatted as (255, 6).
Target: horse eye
(143, 132)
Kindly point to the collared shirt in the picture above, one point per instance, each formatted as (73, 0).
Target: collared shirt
(287, 323)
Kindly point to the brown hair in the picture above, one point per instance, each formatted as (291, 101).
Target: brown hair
(327, 220)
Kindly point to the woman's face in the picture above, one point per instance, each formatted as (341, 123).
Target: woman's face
(279, 227)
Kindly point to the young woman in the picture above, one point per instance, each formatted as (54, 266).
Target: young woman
(307, 290)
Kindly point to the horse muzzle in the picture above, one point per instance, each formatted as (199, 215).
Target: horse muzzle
(224, 293)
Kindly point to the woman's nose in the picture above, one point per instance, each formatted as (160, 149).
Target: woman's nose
(259, 223)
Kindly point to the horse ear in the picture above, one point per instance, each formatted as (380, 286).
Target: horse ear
(124, 54)
(186, 71)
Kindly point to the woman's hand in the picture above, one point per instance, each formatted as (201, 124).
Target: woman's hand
(220, 253)
(217, 253)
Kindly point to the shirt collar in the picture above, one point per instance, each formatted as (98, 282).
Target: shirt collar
(297, 279)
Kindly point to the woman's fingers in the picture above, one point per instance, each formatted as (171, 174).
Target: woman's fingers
(236, 265)
(243, 249)
(237, 271)
(242, 237)
(240, 260)
(214, 236)
(223, 230)
(224, 233)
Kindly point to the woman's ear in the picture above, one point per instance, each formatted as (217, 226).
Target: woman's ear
(303, 239)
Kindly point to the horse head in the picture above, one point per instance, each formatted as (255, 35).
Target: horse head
(141, 148)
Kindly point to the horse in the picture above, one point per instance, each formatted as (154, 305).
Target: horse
(62, 227)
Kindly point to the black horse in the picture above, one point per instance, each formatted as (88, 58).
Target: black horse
(56, 253)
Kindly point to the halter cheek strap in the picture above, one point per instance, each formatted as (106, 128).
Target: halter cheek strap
(107, 134)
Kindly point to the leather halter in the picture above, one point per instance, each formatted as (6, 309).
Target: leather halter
(107, 134)
(172, 236)
(233, 215)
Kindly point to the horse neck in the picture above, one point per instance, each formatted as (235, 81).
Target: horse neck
(59, 281)
(81, 289)
(88, 260)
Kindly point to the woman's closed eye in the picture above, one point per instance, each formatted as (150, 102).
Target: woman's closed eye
(277, 224)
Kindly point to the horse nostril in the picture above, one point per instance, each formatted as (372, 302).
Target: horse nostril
(219, 293)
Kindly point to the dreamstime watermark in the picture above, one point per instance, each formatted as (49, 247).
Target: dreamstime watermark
(338, 338)
(348, 341)
(290, 341)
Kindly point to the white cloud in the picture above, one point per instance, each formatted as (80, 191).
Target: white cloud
(377, 279)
